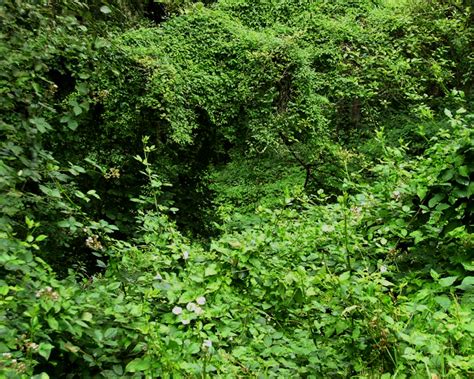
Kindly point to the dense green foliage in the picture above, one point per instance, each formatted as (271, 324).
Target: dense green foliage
(235, 188)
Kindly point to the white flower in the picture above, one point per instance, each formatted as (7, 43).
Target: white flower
(356, 211)
(201, 300)
(177, 310)
(383, 269)
(207, 344)
(158, 277)
(327, 228)
(185, 321)
(185, 255)
(198, 310)
(191, 307)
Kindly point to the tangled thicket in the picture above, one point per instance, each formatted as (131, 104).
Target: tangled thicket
(236, 188)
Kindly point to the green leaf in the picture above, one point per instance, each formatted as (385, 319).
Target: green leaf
(70, 347)
(117, 369)
(448, 281)
(464, 171)
(436, 199)
(53, 192)
(345, 276)
(211, 270)
(418, 235)
(41, 124)
(110, 333)
(444, 301)
(138, 364)
(4, 289)
(72, 124)
(467, 284)
(45, 350)
(468, 266)
(43, 375)
(421, 192)
(77, 110)
(105, 9)
(40, 238)
(52, 323)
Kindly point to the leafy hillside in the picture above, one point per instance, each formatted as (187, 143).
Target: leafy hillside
(234, 188)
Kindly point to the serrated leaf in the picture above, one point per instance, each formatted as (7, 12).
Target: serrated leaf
(41, 124)
(53, 192)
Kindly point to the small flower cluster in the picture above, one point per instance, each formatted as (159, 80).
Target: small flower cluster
(31, 346)
(396, 195)
(356, 211)
(93, 243)
(19, 367)
(191, 307)
(103, 94)
(52, 89)
(113, 172)
(47, 292)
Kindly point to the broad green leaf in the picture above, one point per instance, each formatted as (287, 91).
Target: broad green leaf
(448, 281)
(105, 9)
(467, 284)
(211, 270)
(443, 300)
(45, 350)
(41, 124)
(139, 364)
(72, 124)
(70, 347)
(43, 375)
(468, 266)
(53, 323)
(436, 199)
